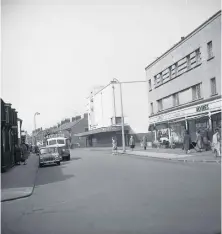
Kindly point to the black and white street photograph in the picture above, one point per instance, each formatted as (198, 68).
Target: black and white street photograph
(111, 116)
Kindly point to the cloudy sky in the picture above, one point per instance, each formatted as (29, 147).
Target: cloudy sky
(55, 51)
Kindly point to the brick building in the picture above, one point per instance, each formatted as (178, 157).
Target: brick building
(10, 135)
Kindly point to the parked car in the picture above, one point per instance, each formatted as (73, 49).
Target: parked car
(48, 156)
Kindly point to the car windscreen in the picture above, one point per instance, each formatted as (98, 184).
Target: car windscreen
(60, 141)
(48, 150)
(52, 142)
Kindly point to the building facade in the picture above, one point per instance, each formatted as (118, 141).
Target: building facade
(10, 135)
(104, 114)
(185, 84)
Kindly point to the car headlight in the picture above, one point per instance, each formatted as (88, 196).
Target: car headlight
(63, 150)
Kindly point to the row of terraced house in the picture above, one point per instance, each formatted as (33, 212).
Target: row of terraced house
(10, 134)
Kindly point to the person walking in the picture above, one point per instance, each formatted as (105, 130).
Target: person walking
(216, 143)
(199, 141)
(171, 141)
(17, 154)
(114, 144)
(206, 140)
(144, 142)
(186, 142)
(132, 143)
(24, 153)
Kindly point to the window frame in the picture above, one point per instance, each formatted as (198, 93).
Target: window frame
(151, 108)
(210, 50)
(160, 104)
(211, 87)
(176, 101)
(150, 85)
(196, 96)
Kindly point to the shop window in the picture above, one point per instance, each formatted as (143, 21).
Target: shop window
(160, 105)
(176, 99)
(210, 49)
(213, 86)
(196, 92)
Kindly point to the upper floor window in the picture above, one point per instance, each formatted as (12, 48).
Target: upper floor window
(196, 92)
(150, 86)
(213, 86)
(175, 99)
(188, 62)
(176, 69)
(210, 49)
(170, 72)
(197, 56)
(160, 105)
(151, 108)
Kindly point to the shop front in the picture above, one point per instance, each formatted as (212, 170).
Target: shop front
(204, 117)
(102, 137)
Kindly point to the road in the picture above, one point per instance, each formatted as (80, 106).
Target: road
(100, 193)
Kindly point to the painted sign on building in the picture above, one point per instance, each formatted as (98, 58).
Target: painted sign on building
(186, 112)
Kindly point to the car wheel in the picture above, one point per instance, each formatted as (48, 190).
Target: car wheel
(68, 158)
(58, 163)
(40, 165)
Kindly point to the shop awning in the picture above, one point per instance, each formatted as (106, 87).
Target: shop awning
(101, 130)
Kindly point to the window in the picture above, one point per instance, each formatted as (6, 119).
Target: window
(52, 142)
(176, 69)
(176, 99)
(188, 62)
(196, 92)
(170, 72)
(151, 108)
(160, 105)
(155, 82)
(161, 78)
(60, 142)
(210, 49)
(150, 86)
(197, 56)
(213, 86)
(48, 150)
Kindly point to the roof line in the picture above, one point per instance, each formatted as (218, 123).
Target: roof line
(186, 38)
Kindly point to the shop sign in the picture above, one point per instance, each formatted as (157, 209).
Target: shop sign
(202, 108)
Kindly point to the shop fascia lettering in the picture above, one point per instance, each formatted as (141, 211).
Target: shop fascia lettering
(211, 106)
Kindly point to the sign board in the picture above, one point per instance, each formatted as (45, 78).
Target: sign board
(186, 112)
(202, 108)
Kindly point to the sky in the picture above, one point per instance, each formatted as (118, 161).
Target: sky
(54, 52)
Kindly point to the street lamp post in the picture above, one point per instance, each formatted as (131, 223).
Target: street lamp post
(114, 81)
(36, 113)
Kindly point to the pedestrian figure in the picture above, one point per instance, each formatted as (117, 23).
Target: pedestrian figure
(186, 142)
(199, 141)
(171, 141)
(114, 144)
(17, 154)
(216, 143)
(206, 140)
(132, 143)
(24, 153)
(144, 142)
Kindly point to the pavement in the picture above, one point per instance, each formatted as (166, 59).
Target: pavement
(19, 181)
(100, 193)
(166, 154)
